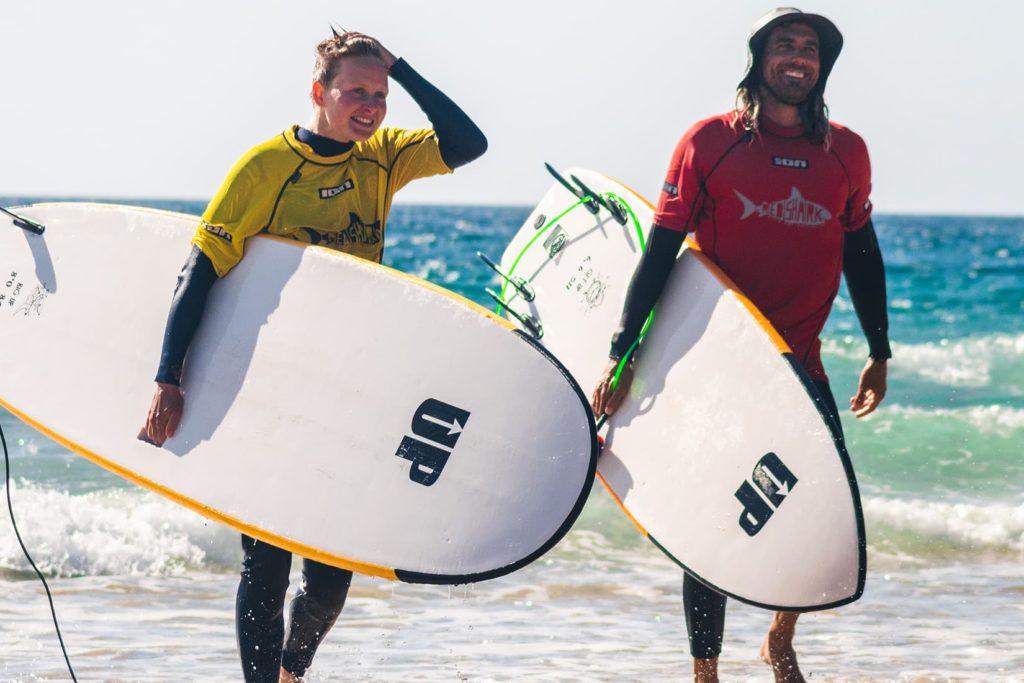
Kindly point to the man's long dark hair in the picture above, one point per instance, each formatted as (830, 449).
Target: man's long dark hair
(813, 111)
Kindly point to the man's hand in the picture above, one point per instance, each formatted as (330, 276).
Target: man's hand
(164, 414)
(871, 389)
(603, 400)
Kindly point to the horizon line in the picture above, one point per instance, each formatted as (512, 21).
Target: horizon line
(14, 200)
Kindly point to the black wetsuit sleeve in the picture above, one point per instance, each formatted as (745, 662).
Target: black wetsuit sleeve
(646, 286)
(458, 137)
(190, 294)
(865, 278)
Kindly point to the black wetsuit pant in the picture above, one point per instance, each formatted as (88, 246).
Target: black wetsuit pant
(259, 611)
(704, 607)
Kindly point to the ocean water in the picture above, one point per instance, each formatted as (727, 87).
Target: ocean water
(144, 589)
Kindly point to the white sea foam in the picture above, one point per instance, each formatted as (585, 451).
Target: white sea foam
(958, 363)
(423, 239)
(119, 532)
(990, 526)
(997, 420)
(437, 270)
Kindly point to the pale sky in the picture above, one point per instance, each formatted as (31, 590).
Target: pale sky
(148, 99)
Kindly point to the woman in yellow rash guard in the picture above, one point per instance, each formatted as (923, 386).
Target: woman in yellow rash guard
(331, 184)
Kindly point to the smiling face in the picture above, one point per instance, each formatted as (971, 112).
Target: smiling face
(353, 103)
(791, 63)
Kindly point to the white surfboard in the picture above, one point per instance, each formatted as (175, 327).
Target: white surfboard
(334, 407)
(720, 455)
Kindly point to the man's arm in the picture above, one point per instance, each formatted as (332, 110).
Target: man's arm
(645, 288)
(865, 278)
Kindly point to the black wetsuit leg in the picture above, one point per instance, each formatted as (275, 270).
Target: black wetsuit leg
(705, 618)
(314, 610)
(259, 609)
(704, 607)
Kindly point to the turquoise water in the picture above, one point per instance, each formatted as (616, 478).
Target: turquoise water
(940, 466)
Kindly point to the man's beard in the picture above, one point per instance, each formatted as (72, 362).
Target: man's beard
(793, 100)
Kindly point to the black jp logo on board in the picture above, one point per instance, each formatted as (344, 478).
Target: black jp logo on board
(790, 163)
(772, 482)
(438, 426)
(538, 222)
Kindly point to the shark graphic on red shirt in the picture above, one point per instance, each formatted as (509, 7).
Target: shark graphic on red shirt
(794, 210)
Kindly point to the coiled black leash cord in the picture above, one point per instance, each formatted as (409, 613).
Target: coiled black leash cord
(10, 509)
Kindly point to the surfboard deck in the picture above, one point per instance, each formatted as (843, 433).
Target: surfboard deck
(334, 407)
(720, 455)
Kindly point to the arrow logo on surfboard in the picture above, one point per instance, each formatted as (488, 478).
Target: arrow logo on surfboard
(772, 483)
(437, 426)
(783, 486)
(454, 427)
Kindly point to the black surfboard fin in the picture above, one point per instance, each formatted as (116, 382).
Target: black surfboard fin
(25, 223)
(592, 204)
(532, 325)
(520, 284)
(614, 208)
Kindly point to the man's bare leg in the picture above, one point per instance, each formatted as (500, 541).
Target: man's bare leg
(288, 677)
(705, 670)
(777, 650)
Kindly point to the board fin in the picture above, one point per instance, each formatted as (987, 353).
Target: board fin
(614, 208)
(25, 223)
(588, 201)
(520, 284)
(532, 325)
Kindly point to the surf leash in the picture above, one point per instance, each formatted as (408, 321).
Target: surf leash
(628, 356)
(25, 223)
(587, 201)
(10, 509)
(541, 231)
(620, 210)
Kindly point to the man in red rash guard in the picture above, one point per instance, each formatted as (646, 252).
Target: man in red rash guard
(777, 196)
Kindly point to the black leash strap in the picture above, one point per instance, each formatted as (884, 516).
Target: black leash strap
(10, 509)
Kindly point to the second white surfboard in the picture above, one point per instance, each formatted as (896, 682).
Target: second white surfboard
(721, 454)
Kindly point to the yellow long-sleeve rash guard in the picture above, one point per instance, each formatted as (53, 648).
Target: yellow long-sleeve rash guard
(282, 187)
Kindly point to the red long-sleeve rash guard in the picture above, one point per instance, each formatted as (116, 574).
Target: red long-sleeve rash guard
(771, 209)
